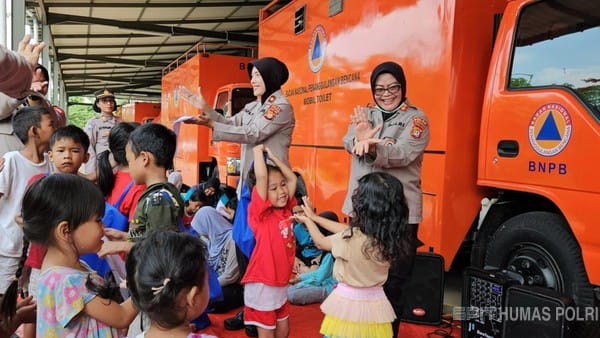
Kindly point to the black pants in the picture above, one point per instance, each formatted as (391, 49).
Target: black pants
(397, 275)
(233, 297)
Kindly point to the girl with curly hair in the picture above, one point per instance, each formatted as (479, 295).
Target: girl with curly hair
(378, 235)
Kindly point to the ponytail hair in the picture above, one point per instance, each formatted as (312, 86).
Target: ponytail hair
(159, 267)
(117, 140)
(106, 177)
(9, 302)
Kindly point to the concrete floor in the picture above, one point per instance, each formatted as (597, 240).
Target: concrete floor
(452, 290)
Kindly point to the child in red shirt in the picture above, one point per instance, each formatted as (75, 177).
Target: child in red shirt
(270, 266)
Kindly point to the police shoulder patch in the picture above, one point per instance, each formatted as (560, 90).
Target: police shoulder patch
(419, 125)
(272, 112)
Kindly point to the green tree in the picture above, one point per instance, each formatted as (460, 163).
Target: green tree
(79, 110)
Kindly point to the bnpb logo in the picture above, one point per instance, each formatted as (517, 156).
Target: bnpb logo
(316, 49)
(550, 129)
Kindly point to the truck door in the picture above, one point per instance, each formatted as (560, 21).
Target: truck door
(539, 140)
(541, 110)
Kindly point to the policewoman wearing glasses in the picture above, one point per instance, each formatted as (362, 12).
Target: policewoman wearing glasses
(390, 137)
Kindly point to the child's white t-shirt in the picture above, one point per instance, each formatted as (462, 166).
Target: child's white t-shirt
(13, 184)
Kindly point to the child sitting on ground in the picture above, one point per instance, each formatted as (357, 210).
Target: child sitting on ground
(315, 285)
(308, 256)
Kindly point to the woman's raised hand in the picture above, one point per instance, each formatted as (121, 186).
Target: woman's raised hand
(361, 148)
(362, 127)
(195, 99)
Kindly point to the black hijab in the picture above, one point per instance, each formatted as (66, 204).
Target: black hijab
(397, 72)
(274, 73)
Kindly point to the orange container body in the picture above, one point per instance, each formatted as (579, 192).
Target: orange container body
(324, 91)
(140, 111)
(445, 48)
(208, 72)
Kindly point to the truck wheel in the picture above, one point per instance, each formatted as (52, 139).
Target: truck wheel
(538, 246)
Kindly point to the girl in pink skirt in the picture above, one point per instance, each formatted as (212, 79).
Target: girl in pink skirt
(363, 251)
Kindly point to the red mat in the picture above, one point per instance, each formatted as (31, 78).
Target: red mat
(305, 322)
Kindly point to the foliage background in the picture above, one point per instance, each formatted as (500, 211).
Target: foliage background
(80, 110)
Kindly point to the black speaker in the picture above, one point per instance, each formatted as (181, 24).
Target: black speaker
(483, 298)
(423, 291)
(540, 310)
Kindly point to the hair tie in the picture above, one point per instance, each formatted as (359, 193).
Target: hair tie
(158, 289)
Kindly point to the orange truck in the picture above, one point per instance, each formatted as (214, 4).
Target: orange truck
(212, 73)
(141, 112)
(512, 92)
(229, 100)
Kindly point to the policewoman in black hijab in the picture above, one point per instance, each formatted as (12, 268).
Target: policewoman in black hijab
(268, 120)
(390, 137)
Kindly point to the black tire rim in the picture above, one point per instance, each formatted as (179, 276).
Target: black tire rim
(537, 266)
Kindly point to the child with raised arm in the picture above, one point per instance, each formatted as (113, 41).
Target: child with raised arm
(64, 211)
(270, 266)
(378, 234)
(168, 281)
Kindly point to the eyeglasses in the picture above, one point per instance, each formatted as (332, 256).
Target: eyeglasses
(393, 90)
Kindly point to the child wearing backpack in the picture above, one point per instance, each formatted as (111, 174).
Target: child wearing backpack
(114, 184)
(149, 152)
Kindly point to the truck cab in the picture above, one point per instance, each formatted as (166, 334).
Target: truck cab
(229, 101)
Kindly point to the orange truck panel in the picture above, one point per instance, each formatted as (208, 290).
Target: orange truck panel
(140, 111)
(208, 72)
(457, 61)
(433, 45)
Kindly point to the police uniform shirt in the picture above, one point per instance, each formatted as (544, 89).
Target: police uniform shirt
(271, 124)
(405, 136)
(98, 128)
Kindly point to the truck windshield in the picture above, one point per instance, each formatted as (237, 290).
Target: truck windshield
(239, 98)
(557, 44)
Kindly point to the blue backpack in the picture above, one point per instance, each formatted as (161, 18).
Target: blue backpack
(114, 219)
(242, 234)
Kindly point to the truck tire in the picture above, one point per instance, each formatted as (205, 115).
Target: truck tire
(538, 246)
